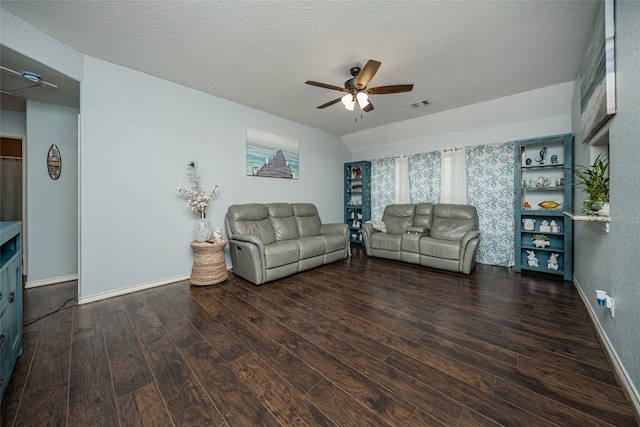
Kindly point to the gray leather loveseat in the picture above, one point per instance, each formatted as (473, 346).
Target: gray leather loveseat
(437, 235)
(271, 241)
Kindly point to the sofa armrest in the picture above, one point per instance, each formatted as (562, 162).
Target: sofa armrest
(469, 235)
(250, 238)
(336, 228)
(248, 257)
(367, 231)
(414, 229)
(468, 250)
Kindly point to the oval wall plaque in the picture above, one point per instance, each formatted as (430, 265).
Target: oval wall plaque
(54, 162)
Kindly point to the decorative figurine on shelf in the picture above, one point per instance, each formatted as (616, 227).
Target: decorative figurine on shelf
(531, 259)
(540, 240)
(560, 182)
(357, 172)
(549, 204)
(552, 262)
(554, 159)
(528, 162)
(529, 224)
(543, 153)
(526, 205)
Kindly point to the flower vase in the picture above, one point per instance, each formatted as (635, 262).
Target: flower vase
(203, 229)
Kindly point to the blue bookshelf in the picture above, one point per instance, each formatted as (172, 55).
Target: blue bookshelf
(357, 198)
(542, 175)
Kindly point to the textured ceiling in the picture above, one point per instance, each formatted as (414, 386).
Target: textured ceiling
(260, 53)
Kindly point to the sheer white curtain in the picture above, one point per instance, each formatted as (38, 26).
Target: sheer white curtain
(453, 181)
(402, 180)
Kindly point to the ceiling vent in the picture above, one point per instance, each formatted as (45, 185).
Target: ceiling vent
(420, 104)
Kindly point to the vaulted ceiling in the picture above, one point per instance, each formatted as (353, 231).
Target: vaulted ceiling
(260, 53)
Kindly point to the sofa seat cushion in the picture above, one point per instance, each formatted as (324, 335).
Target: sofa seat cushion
(388, 242)
(447, 249)
(281, 253)
(333, 242)
(311, 246)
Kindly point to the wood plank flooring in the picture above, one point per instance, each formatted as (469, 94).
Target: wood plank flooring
(360, 342)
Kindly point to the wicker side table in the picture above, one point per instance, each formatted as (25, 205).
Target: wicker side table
(209, 266)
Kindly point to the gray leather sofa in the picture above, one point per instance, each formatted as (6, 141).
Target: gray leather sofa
(443, 236)
(271, 241)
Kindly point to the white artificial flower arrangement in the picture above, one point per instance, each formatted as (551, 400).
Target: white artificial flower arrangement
(197, 200)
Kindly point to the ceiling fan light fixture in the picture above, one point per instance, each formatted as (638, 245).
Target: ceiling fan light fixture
(348, 101)
(351, 105)
(363, 99)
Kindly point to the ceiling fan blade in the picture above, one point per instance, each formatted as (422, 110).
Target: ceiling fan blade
(330, 103)
(380, 90)
(366, 74)
(368, 108)
(326, 86)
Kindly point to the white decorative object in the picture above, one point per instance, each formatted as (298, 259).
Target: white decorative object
(541, 243)
(197, 201)
(202, 229)
(529, 224)
(552, 262)
(217, 234)
(531, 259)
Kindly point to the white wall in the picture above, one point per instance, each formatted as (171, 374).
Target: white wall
(610, 261)
(137, 135)
(540, 112)
(52, 205)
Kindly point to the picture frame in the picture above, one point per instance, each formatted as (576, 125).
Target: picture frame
(597, 76)
(272, 156)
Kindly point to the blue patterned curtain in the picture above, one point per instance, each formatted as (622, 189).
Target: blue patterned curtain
(424, 177)
(383, 185)
(490, 171)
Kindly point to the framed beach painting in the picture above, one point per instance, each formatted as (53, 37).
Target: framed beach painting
(273, 156)
(597, 74)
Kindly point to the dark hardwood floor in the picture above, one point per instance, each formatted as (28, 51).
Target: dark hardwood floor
(361, 342)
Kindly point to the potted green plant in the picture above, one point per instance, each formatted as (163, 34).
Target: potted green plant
(594, 181)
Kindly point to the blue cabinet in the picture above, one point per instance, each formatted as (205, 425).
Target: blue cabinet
(357, 198)
(543, 235)
(10, 299)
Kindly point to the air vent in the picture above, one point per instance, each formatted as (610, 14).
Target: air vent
(420, 104)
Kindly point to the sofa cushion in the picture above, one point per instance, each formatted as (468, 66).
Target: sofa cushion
(307, 219)
(438, 248)
(334, 242)
(451, 222)
(282, 220)
(251, 219)
(311, 246)
(424, 216)
(281, 253)
(398, 218)
(386, 241)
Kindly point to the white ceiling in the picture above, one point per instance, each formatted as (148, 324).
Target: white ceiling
(260, 53)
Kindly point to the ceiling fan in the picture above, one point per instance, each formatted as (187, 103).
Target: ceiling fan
(356, 88)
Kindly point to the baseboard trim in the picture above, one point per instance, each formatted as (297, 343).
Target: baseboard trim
(625, 381)
(98, 297)
(52, 281)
